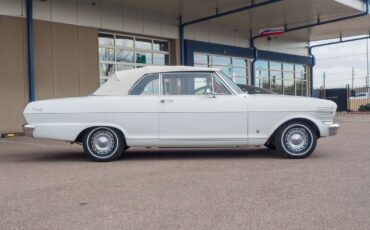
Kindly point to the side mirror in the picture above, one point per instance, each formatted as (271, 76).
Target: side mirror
(209, 93)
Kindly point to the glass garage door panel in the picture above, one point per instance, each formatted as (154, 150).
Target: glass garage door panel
(282, 78)
(237, 68)
(220, 60)
(121, 52)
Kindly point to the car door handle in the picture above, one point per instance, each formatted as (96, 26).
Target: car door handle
(166, 100)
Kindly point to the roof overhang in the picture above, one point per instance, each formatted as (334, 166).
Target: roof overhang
(291, 13)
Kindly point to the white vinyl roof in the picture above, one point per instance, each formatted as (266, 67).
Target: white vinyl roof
(121, 82)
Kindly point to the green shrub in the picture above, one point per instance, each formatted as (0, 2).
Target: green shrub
(364, 108)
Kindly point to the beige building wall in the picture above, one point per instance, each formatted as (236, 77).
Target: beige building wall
(13, 73)
(175, 52)
(43, 45)
(88, 59)
(66, 64)
(66, 60)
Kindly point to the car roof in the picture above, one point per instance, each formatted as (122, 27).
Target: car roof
(121, 82)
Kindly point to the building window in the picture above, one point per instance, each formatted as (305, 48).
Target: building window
(283, 78)
(235, 67)
(122, 52)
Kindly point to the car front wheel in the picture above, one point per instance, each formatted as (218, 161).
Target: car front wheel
(103, 144)
(270, 145)
(296, 140)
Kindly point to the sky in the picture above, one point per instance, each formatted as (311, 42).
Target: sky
(337, 62)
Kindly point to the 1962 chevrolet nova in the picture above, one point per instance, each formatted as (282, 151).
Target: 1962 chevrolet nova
(180, 107)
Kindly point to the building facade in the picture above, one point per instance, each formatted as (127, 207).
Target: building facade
(79, 44)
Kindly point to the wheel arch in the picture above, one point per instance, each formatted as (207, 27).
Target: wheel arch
(79, 137)
(305, 120)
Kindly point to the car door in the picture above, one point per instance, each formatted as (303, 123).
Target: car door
(142, 104)
(198, 109)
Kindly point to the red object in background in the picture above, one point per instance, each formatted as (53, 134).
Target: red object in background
(272, 31)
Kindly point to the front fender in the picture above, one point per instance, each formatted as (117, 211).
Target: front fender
(262, 124)
(318, 123)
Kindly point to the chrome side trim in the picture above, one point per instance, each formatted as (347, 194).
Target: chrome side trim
(28, 130)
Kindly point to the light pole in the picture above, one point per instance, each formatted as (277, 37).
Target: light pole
(353, 76)
(367, 63)
(324, 83)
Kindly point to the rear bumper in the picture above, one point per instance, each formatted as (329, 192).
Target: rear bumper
(333, 129)
(28, 130)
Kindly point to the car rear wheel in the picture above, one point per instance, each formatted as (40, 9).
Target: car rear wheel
(296, 140)
(103, 144)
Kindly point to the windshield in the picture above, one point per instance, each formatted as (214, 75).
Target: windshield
(227, 79)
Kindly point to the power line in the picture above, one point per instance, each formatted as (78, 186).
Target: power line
(356, 79)
(347, 78)
(342, 73)
(344, 76)
(343, 56)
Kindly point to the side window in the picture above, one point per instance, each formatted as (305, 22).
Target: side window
(148, 85)
(188, 83)
(219, 87)
(192, 83)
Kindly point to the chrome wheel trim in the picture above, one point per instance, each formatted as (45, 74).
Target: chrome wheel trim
(90, 145)
(297, 138)
(102, 142)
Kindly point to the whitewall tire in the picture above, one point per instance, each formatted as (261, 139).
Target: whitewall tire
(103, 144)
(296, 140)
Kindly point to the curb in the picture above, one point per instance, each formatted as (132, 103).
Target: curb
(352, 112)
(356, 112)
(8, 135)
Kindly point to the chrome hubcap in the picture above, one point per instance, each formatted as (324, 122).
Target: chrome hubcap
(297, 139)
(103, 142)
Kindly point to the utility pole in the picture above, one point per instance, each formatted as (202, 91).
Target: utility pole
(324, 84)
(353, 76)
(367, 63)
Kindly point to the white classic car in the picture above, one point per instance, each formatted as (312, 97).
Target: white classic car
(178, 106)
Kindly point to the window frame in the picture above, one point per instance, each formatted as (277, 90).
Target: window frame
(141, 79)
(213, 74)
(160, 78)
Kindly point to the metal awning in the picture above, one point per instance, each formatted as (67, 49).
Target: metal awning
(291, 13)
(353, 27)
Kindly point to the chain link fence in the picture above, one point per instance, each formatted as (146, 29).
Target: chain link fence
(348, 98)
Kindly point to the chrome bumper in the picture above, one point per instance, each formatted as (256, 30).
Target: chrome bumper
(28, 130)
(333, 129)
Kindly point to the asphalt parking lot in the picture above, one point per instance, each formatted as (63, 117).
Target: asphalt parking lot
(51, 185)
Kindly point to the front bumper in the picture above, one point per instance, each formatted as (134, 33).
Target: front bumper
(28, 130)
(333, 129)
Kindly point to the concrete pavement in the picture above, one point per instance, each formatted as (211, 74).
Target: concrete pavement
(52, 185)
